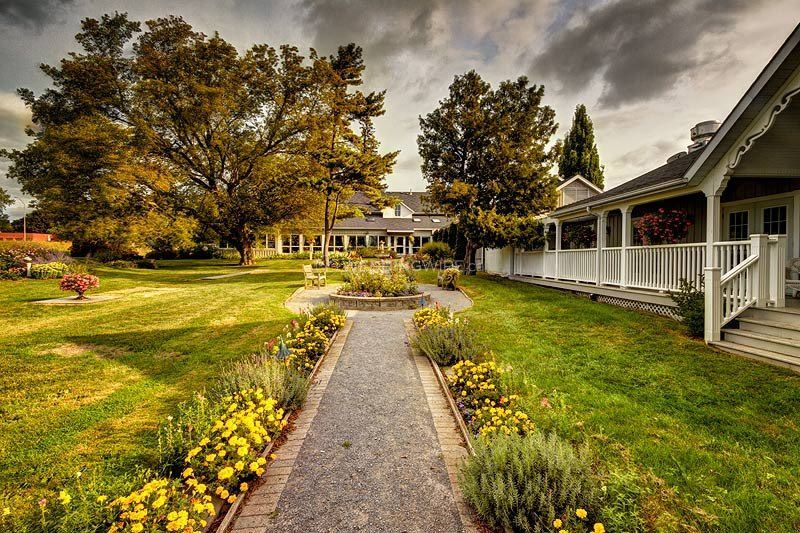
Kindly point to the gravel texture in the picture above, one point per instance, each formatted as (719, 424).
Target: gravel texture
(371, 460)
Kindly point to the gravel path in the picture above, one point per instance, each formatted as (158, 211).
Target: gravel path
(371, 460)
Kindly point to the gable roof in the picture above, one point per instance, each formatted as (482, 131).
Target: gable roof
(578, 177)
(679, 172)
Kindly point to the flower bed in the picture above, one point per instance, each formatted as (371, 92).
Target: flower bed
(211, 451)
(517, 478)
(364, 280)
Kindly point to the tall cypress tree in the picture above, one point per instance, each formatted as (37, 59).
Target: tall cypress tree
(579, 152)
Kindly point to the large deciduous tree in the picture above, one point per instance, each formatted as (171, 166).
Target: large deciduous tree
(485, 158)
(184, 123)
(579, 151)
(343, 148)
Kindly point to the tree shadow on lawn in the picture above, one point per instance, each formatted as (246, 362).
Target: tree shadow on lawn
(165, 353)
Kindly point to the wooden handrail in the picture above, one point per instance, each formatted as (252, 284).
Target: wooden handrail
(737, 269)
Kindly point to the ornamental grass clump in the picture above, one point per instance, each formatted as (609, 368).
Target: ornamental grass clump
(229, 455)
(287, 385)
(449, 343)
(531, 483)
(52, 270)
(450, 278)
(79, 283)
(163, 505)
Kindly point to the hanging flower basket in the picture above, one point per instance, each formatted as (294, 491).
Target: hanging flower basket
(79, 283)
(665, 226)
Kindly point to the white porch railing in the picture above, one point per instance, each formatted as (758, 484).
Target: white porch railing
(578, 265)
(662, 267)
(755, 280)
(730, 253)
(611, 264)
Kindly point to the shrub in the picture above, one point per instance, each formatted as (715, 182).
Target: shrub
(450, 278)
(663, 227)
(327, 317)
(49, 270)
(79, 283)
(525, 483)
(261, 371)
(477, 385)
(149, 264)
(490, 420)
(121, 263)
(691, 307)
(163, 505)
(450, 343)
(365, 280)
(436, 315)
(183, 431)
(228, 455)
(437, 251)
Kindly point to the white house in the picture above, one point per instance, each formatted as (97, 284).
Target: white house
(740, 183)
(404, 228)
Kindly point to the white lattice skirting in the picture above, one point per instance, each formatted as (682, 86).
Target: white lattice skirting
(659, 309)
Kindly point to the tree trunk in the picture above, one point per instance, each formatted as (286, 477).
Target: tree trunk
(244, 245)
(469, 258)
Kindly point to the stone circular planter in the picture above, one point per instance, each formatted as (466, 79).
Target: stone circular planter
(382, 303)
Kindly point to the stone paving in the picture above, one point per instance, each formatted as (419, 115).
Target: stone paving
(374, 448)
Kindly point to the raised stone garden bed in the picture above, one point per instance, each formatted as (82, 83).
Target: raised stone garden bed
(381, 303)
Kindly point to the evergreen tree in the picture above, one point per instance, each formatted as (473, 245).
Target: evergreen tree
(579, 151)
(485, 157)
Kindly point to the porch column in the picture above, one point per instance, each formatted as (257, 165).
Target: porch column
(713, 304)
(713, 229)
(301, 242)
(602, 222)
(346, 241)
(558, 247)
(627, 231)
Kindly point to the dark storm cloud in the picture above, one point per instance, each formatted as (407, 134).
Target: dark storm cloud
(388, 26)
(35, 14)
(639, 49)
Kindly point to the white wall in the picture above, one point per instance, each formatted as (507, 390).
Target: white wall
(498, 261)
(404, 212)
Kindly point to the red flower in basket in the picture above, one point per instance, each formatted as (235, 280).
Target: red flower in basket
(79, 283)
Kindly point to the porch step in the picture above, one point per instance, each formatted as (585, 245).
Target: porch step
(764, 356)
(771, 328)
(786, 315)
(787, 347)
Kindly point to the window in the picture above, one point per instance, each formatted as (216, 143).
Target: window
(372, 240)
(270, 241)
(337, 243)
(400, 244)
(358, 241)
(575, 193)
(775, 220)
(290, 243)
(398, 210)
(738, 226)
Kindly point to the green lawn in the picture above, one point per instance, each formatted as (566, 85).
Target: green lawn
(712, 437)
(84, 385)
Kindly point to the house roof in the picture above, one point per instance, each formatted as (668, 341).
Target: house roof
(674, 170)
(397, 225)
(695, 165)
(414, 200)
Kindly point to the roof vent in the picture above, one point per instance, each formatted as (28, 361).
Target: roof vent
(672, 158)
(702, 133)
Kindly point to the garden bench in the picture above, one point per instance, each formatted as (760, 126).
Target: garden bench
(311, 278)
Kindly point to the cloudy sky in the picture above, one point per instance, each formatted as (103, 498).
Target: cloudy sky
(647, 70)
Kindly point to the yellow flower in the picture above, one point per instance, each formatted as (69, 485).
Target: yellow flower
(239, 465)
(101, 499)
(225, 473)
(224, 495)
(242, 451)
(231, 499)
(64, 497)
(160, 501)
(172, 516)
(243, 487)
(557, 522)
(6, 511)
(137, 527)
(211, 457)
(598, 528)
(580, 513)
(188, 472)
(200, 489)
